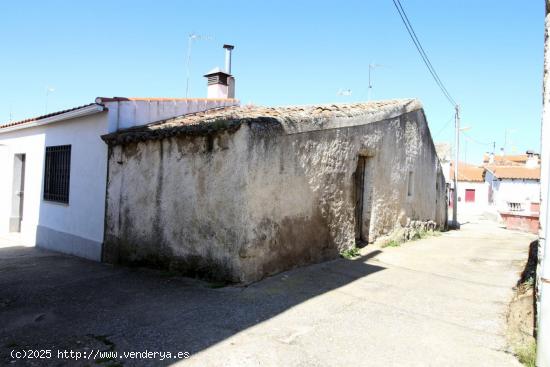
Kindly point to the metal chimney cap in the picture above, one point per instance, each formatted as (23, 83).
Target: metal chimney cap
(216, 70)
(229, 47)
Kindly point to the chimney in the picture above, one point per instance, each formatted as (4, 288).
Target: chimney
(228, 49)
(221, 84)
(532, 159)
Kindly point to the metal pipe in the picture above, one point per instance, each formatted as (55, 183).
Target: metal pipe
(455, 181)
(228, 49)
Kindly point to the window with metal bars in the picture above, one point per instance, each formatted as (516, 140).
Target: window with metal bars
(57, 173)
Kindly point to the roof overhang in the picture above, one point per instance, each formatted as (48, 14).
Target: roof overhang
(80, 112)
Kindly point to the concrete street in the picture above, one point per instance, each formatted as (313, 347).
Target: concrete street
(441, 301)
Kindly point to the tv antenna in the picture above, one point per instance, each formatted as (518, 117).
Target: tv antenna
(344, 92)
(372, 66)
(48, 91)
(192, 37)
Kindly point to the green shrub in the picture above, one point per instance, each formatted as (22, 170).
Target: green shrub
(392, 243)
(350, 253)
(527, 354)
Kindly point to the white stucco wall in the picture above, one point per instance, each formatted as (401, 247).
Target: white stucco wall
(513, 190)
(79, 223)
(127, 113)
(481, 193)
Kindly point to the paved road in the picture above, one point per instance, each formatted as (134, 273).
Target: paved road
(435, 302)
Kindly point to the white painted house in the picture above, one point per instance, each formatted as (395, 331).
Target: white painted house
(473, 191)
(513, 188)
(54, 168)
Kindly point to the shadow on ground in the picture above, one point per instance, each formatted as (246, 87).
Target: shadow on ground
(53, 301)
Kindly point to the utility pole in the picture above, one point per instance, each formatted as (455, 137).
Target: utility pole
(543, 271)
(455, 189)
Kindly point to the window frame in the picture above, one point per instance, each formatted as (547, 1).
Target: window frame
(57, 174)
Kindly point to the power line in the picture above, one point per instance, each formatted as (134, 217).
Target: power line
(468, 137)
(444, 127)
(421, 51)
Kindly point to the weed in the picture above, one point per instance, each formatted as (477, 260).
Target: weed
(392, 243)
(350, 253)
(425, 233)
(527, 354)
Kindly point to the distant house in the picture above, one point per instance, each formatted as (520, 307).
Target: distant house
(472, 188)
(514, 181)
(239, 193)
(514, 189)
(507, 186)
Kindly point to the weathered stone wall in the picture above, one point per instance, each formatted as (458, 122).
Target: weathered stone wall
(300, 189)
(265, 197)
(178, 203)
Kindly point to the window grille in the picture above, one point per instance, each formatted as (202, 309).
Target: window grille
(57, 173)
(515, 207)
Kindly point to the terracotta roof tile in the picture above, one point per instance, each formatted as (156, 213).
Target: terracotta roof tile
(515, 172)
(205, 121)
(508, 160)
(33, 119)
(468, 172)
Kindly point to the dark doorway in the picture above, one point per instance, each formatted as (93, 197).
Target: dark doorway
(363, 200)
(17, 192)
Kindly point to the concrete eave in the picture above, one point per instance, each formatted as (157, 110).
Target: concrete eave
(84, 111)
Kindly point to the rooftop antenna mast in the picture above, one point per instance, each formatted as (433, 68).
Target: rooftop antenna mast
(372, 66)
(48, 91)
(192, 37)
(344, 92)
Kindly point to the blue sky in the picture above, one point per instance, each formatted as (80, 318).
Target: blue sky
(488, 53)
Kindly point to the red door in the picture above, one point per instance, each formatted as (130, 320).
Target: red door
(470, 195)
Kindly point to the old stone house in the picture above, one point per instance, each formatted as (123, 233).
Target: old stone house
(239, 193)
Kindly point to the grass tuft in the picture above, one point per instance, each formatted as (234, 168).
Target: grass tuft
(350, 253)
(392, 243)
(527, 354)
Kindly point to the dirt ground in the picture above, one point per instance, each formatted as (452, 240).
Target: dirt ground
(522, 310)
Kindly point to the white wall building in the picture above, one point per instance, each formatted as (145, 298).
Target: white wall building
(54, 169)
(513, 188)
(473, 191)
